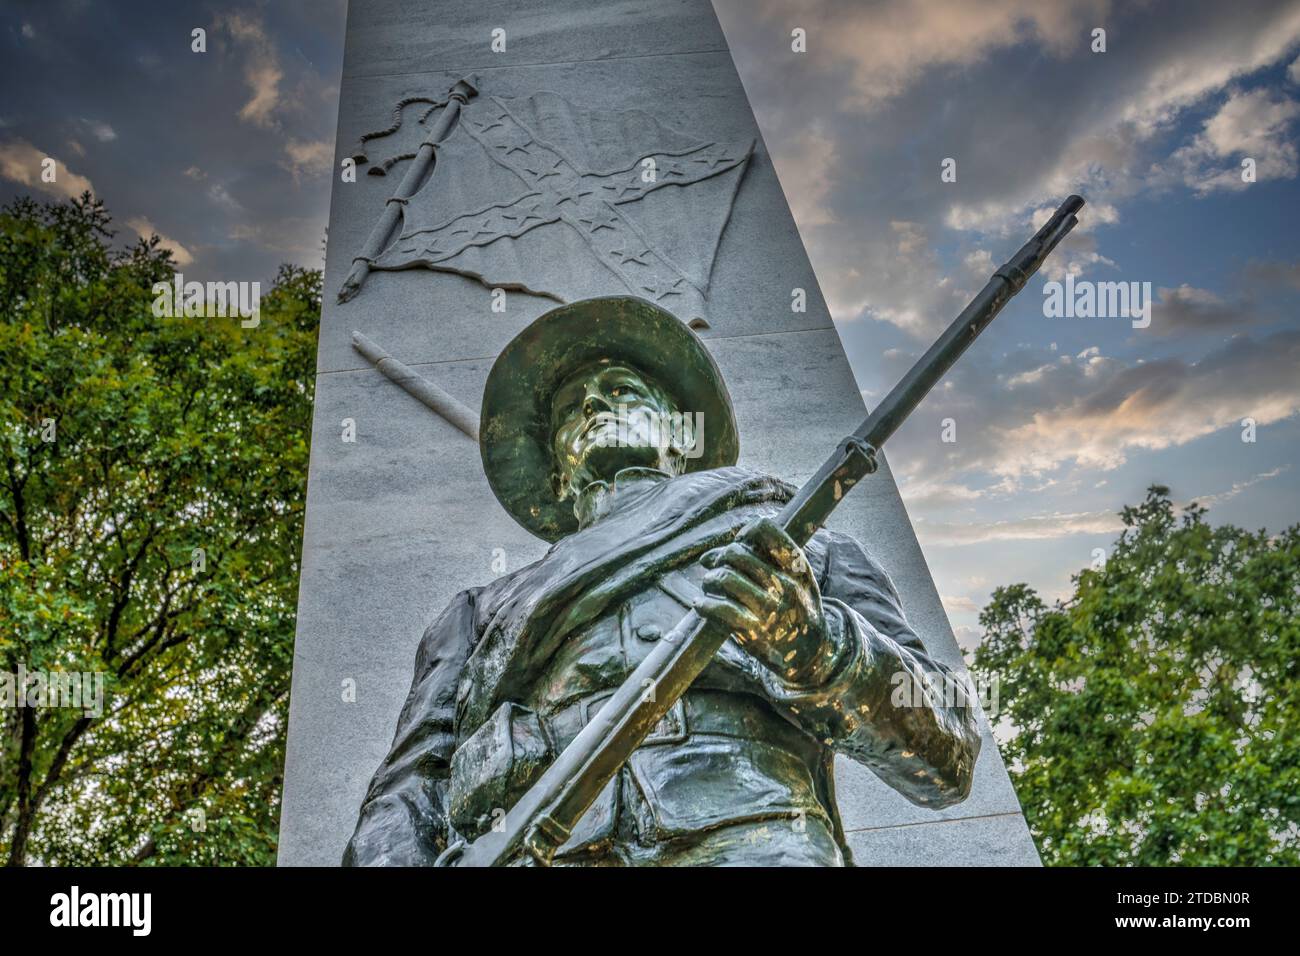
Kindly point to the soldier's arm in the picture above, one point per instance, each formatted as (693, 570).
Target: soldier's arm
(403, 819)
(880, 698)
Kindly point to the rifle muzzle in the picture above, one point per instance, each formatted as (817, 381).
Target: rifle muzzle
(1032, 254)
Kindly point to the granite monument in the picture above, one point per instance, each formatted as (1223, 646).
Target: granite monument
(511, 165)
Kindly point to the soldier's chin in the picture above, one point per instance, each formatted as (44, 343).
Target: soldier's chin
(607, 461)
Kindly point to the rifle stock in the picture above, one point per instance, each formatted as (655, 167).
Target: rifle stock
(541, 821)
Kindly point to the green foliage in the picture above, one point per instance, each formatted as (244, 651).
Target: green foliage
(169, 435)
(1153, 717)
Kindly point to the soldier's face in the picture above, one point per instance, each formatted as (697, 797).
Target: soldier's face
(604, 419)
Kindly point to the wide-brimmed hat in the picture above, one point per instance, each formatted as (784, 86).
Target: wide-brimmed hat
(515, 437)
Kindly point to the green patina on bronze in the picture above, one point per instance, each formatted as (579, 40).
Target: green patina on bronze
(515, 434)
(668, 685)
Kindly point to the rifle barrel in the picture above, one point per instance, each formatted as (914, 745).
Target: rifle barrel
(1001, 287)
(855, 457)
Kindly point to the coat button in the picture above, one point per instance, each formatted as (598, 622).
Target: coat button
(649, 632)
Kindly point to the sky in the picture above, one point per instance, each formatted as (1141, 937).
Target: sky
(1058, 421)
(226, 153)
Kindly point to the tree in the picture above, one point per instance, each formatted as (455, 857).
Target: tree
(1152, 717)
(152, 475)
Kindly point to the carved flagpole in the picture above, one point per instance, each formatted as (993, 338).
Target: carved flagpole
(414, 384)
(415, 176)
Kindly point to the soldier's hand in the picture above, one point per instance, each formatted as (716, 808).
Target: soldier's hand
(761, 588)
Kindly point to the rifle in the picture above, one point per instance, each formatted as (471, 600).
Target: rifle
(543, 818)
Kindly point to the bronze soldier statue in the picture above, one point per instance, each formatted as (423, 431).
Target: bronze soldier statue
(670, 683)
(647, 524)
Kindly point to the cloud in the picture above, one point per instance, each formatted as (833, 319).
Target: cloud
(298, 238)
(1041, 527)
(927, 492)
(145, 229)
(29, 31)
(262, 70)
(959, 604)
(21, 162)
(910, 286)
(98, 129)
(197, 161)
(1210, 56)
(1050, 526)
(1209, 501)
(1158, 404)
(1252, 125)
(877, 84)
(221, 196)
(1034, 418)
(888, 45)
(1189, 309)
(814, 155)
(312, 157)
(895, 275)
(1284, 273)
(1077, 255)
(1101, 157)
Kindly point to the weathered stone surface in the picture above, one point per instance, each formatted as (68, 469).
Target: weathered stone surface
(402, 519)
(1001, 840)
(396, 36)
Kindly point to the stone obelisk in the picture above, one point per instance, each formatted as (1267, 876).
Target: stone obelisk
(494, 160)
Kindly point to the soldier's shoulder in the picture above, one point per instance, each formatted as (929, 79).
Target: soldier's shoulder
(486, 598)
(738, 476)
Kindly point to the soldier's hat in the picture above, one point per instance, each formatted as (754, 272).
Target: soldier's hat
(515, 437)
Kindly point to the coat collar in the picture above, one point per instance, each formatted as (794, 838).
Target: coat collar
(602, 498)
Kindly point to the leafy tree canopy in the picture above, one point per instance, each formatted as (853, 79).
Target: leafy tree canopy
(1153, 718)
(152, 475)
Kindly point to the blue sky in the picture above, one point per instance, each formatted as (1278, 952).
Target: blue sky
(1060, 422)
